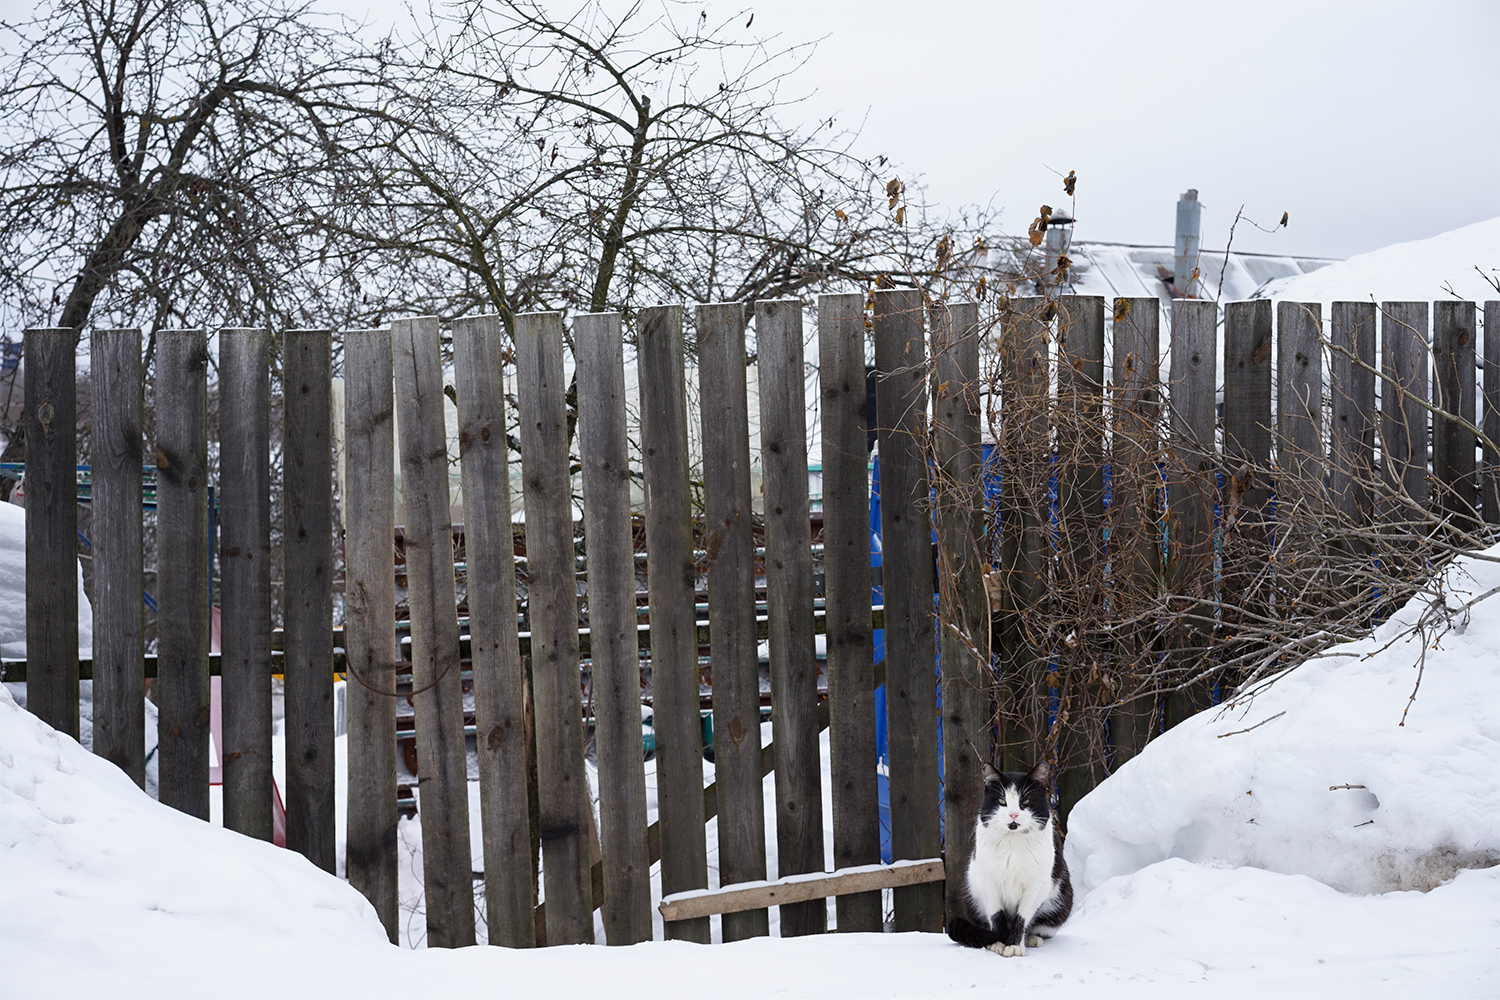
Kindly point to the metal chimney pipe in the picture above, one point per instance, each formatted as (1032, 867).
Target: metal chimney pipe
(1185, 249)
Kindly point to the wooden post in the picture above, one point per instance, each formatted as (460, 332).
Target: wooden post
(1079, 573)
(1491, 426)
(789, 606)
(674, 642)
(182, 623)
(963, 611)
(245, 575)
(1191, 493)
(603, 451)
(119, 615)
(370, 622)
(1025, 470)
(1403, 425)
(52, 529)
(307, 359)
(1453, 444)
(436, 676)
(906, 539)
(1352, 416)
(1135, 519)
(846, 592)
(730, 544)
(553, 603)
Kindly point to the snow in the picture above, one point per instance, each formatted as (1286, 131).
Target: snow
(1425, 800)
(1444, 267)
(13, 590)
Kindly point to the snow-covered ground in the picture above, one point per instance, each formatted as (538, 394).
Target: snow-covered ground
(104, 892)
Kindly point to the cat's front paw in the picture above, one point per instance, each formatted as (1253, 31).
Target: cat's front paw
(1033, 940)
(1008, 950)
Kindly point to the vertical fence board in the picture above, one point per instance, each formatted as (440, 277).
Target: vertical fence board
(846, 591)
(1080, 563)
(1453, 385)
(730, 544)
(119, 613)
(1025, 471)
(499, 680)
(1191, 493)
(245, 577)
(789, 606)
(182, 623)
(906, 542)
(616, 668)
(671, 579)
(1300, 455)
(963, 611)
(370, 621)
(307, 359)
(1403, 425)
(553, 610)
(437, 684)
(52, 529)
(1491, 425)
(1135, 500)
(1352, 411)
(1247, 438)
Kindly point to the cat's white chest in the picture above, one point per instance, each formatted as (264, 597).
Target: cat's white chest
(1011, 871)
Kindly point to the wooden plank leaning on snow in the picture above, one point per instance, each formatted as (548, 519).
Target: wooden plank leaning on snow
(799, 888)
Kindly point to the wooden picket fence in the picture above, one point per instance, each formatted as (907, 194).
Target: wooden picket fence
(928, 417)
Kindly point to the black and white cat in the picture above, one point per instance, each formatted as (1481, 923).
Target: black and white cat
(1018, 886)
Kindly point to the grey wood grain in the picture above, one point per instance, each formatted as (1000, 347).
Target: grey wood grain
(1403, 423)
(963, 610)
(1080, 565)
(51, 528)
(182, 622)
(846, 593)
(370, 621)
(437, 685)
(1491, 413)
(789, 605)
(307, 373)
(116, 455)
(671, 577)
(1453, 386)
(730, 543)
(603, 452)
(1352, 412)
(1191, 493)
(907, 571)
(1135, 521)
(1248, 366)
(245, 577)
(553, 609)
(1300, 461)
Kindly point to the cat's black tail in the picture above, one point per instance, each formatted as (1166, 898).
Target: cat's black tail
(970, 934)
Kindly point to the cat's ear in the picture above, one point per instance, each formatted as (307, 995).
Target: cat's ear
(1041, 774)
(991, 776)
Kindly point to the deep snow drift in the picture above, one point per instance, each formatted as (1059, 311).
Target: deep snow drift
(104, 892)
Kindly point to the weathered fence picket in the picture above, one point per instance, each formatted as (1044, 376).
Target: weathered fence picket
(614, 653)
(437, 685)
(1352, 412)
(562, 786)
(182, 621)
(51, 527)
(907, 572)
(671, 579)
(846, 589)
(245, 576)
(1403, 426)
(119, 613)
(500, 745)
(729, 543)
(370, 650)
(1453, 385)
(1492, 412)
(1301, 457)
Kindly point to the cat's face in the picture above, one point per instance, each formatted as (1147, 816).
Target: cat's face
(1016, 801)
